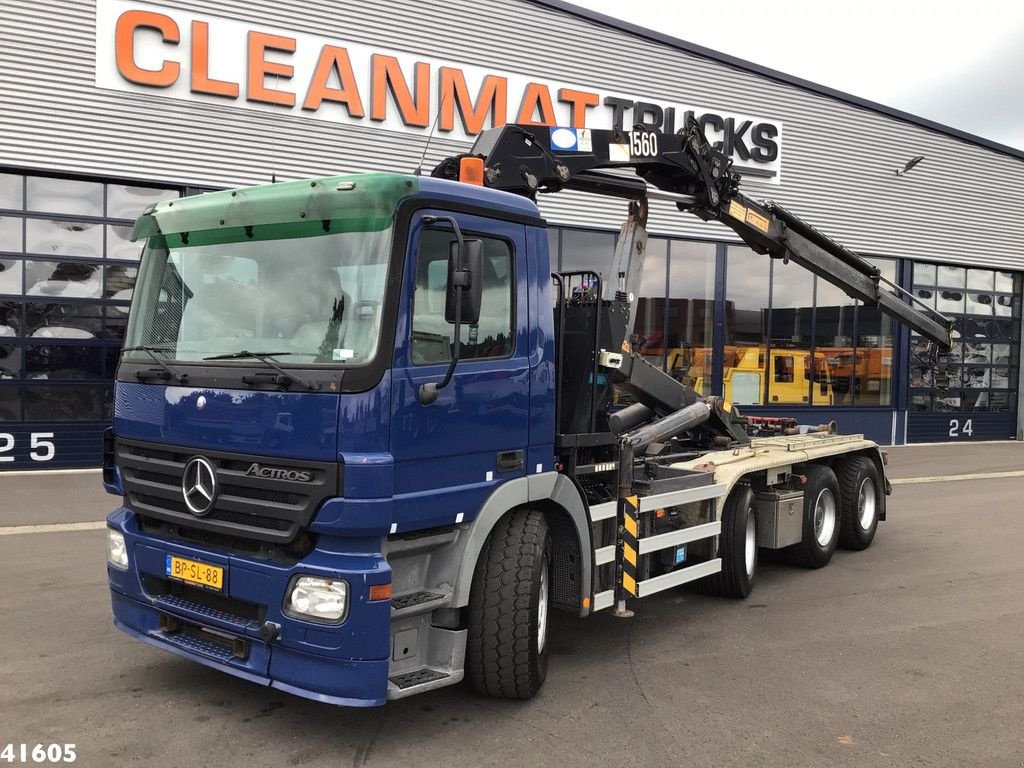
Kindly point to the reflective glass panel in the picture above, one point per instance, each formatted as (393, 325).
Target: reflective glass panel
(924, 274)
(61, 361)
(63, 279)
(120, 245)
(64, 238)
(10, 276)
(588, 250)
(10, 361)
(76, 402)
(1003, 306)
(45, 320)
(128, 202)
(649, 328)
(790, 324)
(10, 403)
(81, 198)
(119, 282)
(951, 277)
(691, 313)
(746, 309)
(11, 186)
(981, 279)
(979, 303)
(11, 237)
(951, 301)
(10, 319)
(1004, 282)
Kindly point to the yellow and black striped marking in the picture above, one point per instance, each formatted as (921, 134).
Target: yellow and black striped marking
(630, 532)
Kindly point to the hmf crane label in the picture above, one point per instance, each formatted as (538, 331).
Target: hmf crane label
(153, 50)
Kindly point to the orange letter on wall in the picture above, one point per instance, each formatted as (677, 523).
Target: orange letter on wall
(581, 101)
(124, 48)
(387, 75)
(334, 59)
(259, 68)
(201, 80)
(536, 97)
(493, 96)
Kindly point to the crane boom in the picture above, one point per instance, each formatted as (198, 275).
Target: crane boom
(687, 169)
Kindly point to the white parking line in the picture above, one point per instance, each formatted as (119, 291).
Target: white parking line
(956, 478)
(15, 530)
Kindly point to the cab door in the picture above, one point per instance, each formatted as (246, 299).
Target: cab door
(451, 454)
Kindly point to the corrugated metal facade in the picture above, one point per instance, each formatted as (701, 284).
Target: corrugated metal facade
(838, 159)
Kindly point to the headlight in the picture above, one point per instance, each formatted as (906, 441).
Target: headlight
(117, 552)
(317, 599)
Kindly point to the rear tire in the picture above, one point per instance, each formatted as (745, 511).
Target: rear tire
(506, 646)
(861, 489)
(821, 519)
(737, 546)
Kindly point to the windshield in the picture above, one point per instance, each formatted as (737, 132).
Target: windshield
(316, 299)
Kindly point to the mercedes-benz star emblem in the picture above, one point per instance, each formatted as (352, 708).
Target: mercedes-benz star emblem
(201, 402)
(199, 486)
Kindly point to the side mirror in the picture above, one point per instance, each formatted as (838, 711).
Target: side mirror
(465, 262)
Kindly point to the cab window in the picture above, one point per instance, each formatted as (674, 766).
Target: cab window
(432, 336)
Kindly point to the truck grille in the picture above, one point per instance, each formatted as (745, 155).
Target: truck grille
(265, 509)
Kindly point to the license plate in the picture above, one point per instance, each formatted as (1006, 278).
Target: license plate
(203, 574)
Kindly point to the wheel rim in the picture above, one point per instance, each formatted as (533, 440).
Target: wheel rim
(824, 517)
(750, 550)
(867, 504)
(542, 609)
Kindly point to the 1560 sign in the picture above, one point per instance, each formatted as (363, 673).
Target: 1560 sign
(41, 447)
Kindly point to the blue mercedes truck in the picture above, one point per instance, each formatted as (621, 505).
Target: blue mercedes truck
(365, 439)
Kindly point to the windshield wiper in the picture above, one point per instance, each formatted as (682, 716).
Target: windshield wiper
(284, 376)
(167, 372)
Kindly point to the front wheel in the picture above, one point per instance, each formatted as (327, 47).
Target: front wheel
(506, 646)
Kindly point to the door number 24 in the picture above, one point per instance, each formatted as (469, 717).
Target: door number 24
(956, 429)
(40, 443)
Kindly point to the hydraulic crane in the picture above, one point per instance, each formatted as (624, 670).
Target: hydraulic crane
(688, 170)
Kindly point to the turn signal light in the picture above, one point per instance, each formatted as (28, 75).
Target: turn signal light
(380, 592)
(471, 171)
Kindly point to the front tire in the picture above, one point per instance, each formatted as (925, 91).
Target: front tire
(506, 646)
(737, 546)
(821, 518)
(861, 490)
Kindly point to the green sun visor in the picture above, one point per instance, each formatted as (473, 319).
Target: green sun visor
(364, 202)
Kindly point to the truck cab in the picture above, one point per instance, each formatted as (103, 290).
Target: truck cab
(291, 523)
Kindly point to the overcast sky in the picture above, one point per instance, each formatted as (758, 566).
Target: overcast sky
(958, 63)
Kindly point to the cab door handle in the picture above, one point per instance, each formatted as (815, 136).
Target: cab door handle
(509, 460)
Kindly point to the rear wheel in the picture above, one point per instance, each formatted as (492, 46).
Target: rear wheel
(506, 646)
(861, 489)
(821, 518)
(737, 546)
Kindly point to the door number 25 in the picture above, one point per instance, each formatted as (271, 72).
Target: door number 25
(41, 444)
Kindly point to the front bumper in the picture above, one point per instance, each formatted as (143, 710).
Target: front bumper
(344, 664)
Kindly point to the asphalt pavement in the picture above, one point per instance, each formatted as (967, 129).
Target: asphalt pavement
(907, 654)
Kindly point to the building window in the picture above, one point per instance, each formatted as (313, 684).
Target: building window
(691, 313)
(980, 371)
(748, 277)
(67, 270)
